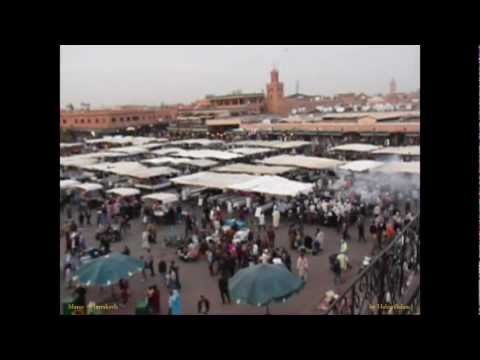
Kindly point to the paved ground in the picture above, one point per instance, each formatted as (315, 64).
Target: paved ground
(196, 280)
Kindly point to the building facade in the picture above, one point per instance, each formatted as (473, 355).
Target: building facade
(111, 119)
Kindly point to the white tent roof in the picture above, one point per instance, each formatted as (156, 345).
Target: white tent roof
(119, 167)
(124, 191)
(212, 180)
(255, 169)
(205, 154)
(77, 161)
(67, 145)
(308, 162)
(152, 145)
(250, 150)
(89, 186)
(357, 147)
(273, 185)
(202, 142)
(399, 150)
(65, 184)
(161, 196)
(277, 144)
(178, 161)
(361, 165)
(111, 140)
(130, 150)
(142, 140)
(148, 172)
(166, 151)
(408, 167)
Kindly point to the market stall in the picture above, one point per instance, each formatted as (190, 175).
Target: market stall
(254, 169)
(361, 165)
(92, 193)
(301, 161)
(399, 167)
(408, 153)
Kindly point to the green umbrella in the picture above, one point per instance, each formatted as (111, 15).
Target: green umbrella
(108, 270)
(263, 284)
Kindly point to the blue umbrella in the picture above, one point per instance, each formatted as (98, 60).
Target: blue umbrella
(263, 284)
(108, 270)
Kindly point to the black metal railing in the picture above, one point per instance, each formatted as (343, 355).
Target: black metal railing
(384, 283)
(413, 302)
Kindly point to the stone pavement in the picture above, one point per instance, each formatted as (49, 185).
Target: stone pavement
(196, 280)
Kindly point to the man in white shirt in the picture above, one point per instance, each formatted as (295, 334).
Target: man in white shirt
(261, 220)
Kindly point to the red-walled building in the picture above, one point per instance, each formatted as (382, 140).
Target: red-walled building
(108, 119)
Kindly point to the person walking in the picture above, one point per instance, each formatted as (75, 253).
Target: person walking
(261, 221)
(162, 270)
(123, 284)
(302, 265)
(343, 261)
(223, 286)
(174, 303)
(276, 218)
(69, 211)
(154, 299)
(287, 260)
(318, 242)
(81, 217)
(361, 228)
(88, 214)
(337, 272)
(271, 237)
(203, 305)
(149, 261)
(174, 275)
(126, 251)
(145, 239)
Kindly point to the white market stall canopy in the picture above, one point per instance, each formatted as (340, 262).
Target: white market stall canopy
(83, 160)
(123, 140)
(152, 145)
(255, 169)
(166, 151)
(308, 162)
(142, 140)
(164, 197)
(66, 184)
(202, 142)
(181, 161)
(276, 144)
(118, 140)
(212, 180)
(399, 150)
(207, 154)
(250, 150)
(149, 172)
(356, 147)
(361, 165)
(130, 150)
(69, 145)
(77, 161)
(124, 191)
(273, 185)
(89, 187)
(118, 168)
(409, 167)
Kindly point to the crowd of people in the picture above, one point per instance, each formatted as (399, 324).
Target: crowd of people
(374, 212)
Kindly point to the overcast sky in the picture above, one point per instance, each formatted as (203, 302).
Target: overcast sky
(118, 75)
